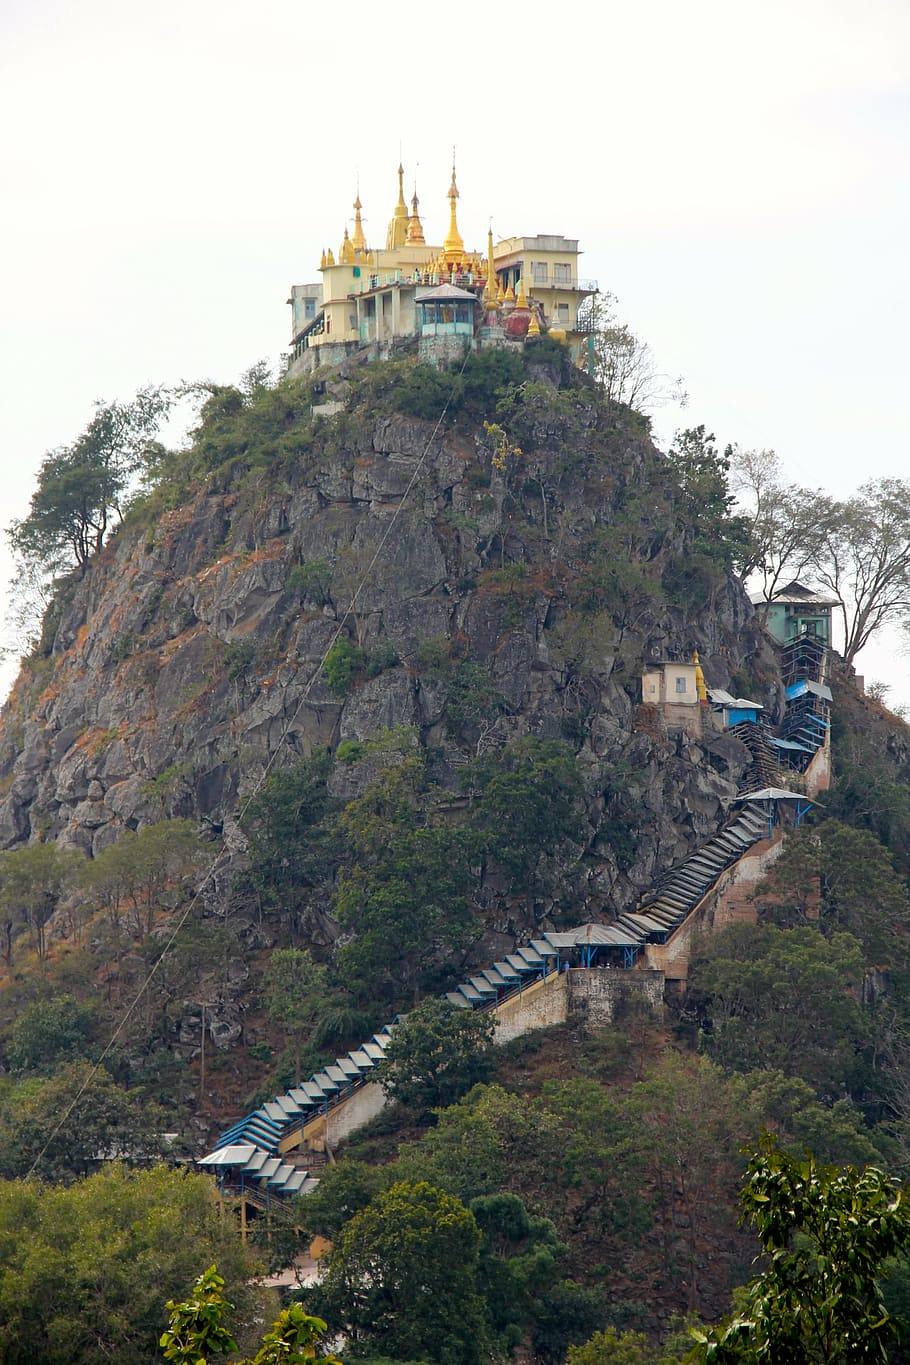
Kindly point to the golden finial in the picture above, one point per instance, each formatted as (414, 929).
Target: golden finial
(453, 246)
(521, 301)
(415, 227)
(398, 227)
(346, 252)
(358, 238)
(500, 293)
(330, 257)
(489, 294)
(700, 687)
(533, 325)
(322, 260)
(510, 295)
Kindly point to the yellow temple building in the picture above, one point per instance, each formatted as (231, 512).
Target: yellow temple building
(386, 298)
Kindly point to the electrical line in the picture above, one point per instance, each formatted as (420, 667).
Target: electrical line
(220, 857)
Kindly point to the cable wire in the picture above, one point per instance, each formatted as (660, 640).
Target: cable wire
(220, 856)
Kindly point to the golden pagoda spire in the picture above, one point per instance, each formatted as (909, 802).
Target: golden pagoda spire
(398, 227)
(415, 227)
(521, 300)
(489, 294)
(700, 686)
(358, 239)
(346, 251)
(330, 257)
(322, 260)
(533, 325)
(453, 246)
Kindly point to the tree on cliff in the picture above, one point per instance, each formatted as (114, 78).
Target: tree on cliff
(782, 999)
(295, 989)
(864, 558)
(786, 523)
(33, 879)
(706, 503)
(82, 487)
(436, 1054)
(624, 365)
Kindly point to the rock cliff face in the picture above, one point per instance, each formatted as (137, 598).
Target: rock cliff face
(180, 661)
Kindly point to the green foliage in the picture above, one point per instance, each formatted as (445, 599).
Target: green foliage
(238, 656)
(519, 1257)
(144, 872)
(402, 1278)
(343, 1190)
(106, 1120)
(291, 845)
(346, 663)
(33, 881)
(350, 751)
(612, 1348)
(717, 540)
(471, 697)
(416, 390)
(527, 804)
(828, 1234)
(47, 1031)
(311, 580)
(780, 999)
(197, 1330)
(81, 488)
(403, 889)
(847, 878)
(84, 1268)
(436, 1054)
(295, 988)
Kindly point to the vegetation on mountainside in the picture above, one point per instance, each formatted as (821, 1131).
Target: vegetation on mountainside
(829, 1235)
(583, 1186)
(85, 1268)
(198, 1330)
(436, 1054)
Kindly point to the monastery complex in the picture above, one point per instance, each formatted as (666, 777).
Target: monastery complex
(443, 298)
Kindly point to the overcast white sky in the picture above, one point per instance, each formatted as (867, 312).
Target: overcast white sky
(737, 175)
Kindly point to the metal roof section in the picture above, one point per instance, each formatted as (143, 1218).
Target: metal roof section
(795, 594)
(236, 1155)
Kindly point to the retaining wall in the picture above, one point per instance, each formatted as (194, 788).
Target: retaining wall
(539, 1005)
(598, 996)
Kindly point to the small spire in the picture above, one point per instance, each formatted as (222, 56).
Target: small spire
(521, 300)
(358, 238)
(415, 227)
(330, 257)
(489, 294)
(322, 260)
(533, 325)
(453, 246)
(700, 687)
(398, 227)
(346, 252)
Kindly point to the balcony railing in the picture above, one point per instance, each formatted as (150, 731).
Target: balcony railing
(582, 286)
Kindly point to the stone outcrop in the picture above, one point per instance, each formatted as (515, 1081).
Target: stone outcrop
(185, 656)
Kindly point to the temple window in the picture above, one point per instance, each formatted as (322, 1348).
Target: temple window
(562, 273)
(539, 272)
